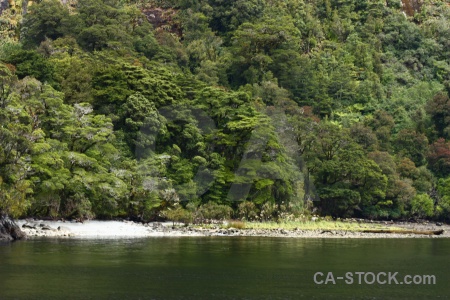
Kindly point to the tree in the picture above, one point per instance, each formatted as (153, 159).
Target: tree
(141, 123)
(382, 123)
(422, 206)
(412, 145)
(345, 179)
(228, 15)
(16, 138)
(254, 43)
(443, 203)
(439, 157)
(102, 25)
(439, 110)
(46, 19)
(31, 63)
(364, 136)
(73, 73)
(399, 189)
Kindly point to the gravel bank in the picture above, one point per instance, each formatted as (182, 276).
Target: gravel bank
(128, 229)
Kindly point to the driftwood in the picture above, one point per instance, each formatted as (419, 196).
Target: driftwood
(400, 231)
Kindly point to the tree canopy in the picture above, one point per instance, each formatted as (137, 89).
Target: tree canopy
(246, 109)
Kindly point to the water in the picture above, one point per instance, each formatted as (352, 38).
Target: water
(218, 268)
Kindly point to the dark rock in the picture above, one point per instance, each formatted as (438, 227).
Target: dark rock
(29, 225)
(438, 224)
(157, 225)
(63, 228)
(9, 230)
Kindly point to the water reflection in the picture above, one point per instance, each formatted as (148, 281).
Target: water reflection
(216, 268)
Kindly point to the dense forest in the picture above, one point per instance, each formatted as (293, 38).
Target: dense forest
(249, 109)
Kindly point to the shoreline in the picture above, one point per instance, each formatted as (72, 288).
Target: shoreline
(128, 229)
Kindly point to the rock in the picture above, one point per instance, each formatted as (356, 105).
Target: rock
(438, 224)
(156, 225)
(9, 230)
(29, 225)
(232, 230)
(62, 228)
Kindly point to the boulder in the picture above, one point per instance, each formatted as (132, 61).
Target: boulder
(29, 225)
(47, 227)
(63, 228)
(9, 230)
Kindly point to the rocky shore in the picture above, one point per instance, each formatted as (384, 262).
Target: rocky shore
(129, 229)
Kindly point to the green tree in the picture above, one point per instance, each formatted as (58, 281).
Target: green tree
(422, 206)
(102, 25)
(31, 63)
(254, 43)
(439, 157)
(46, 19)
(439, 110)
(345, 179)
(412, 145)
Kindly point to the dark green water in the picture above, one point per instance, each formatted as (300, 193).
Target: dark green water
(218, 268)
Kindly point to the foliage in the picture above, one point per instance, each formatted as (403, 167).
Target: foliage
(210, 109)
(236, 224)
(213, 211)
(248, 211)
(422, 206)
(439, 157)
(178, 215)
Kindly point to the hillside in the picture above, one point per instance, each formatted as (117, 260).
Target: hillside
(202, 109)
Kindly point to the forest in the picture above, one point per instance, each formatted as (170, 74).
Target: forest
(213, 109)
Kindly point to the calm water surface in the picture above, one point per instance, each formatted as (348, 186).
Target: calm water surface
(218, 268)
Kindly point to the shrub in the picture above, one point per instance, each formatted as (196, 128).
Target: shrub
(192, 206)
(443, 208)
(178, 215)
(328, 218)
(236, 224)
(422, 206)
(247, 210)
(214, 211)
(268, 211)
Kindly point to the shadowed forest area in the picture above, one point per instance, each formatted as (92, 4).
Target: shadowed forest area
(210, 109)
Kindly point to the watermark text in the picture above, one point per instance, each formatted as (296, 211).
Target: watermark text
(373, 278)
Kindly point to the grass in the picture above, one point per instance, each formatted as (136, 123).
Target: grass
(236, 224)
(302, 225)
(315, 225)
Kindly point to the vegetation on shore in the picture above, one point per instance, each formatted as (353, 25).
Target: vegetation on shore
(317, 225)
(256, 110)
